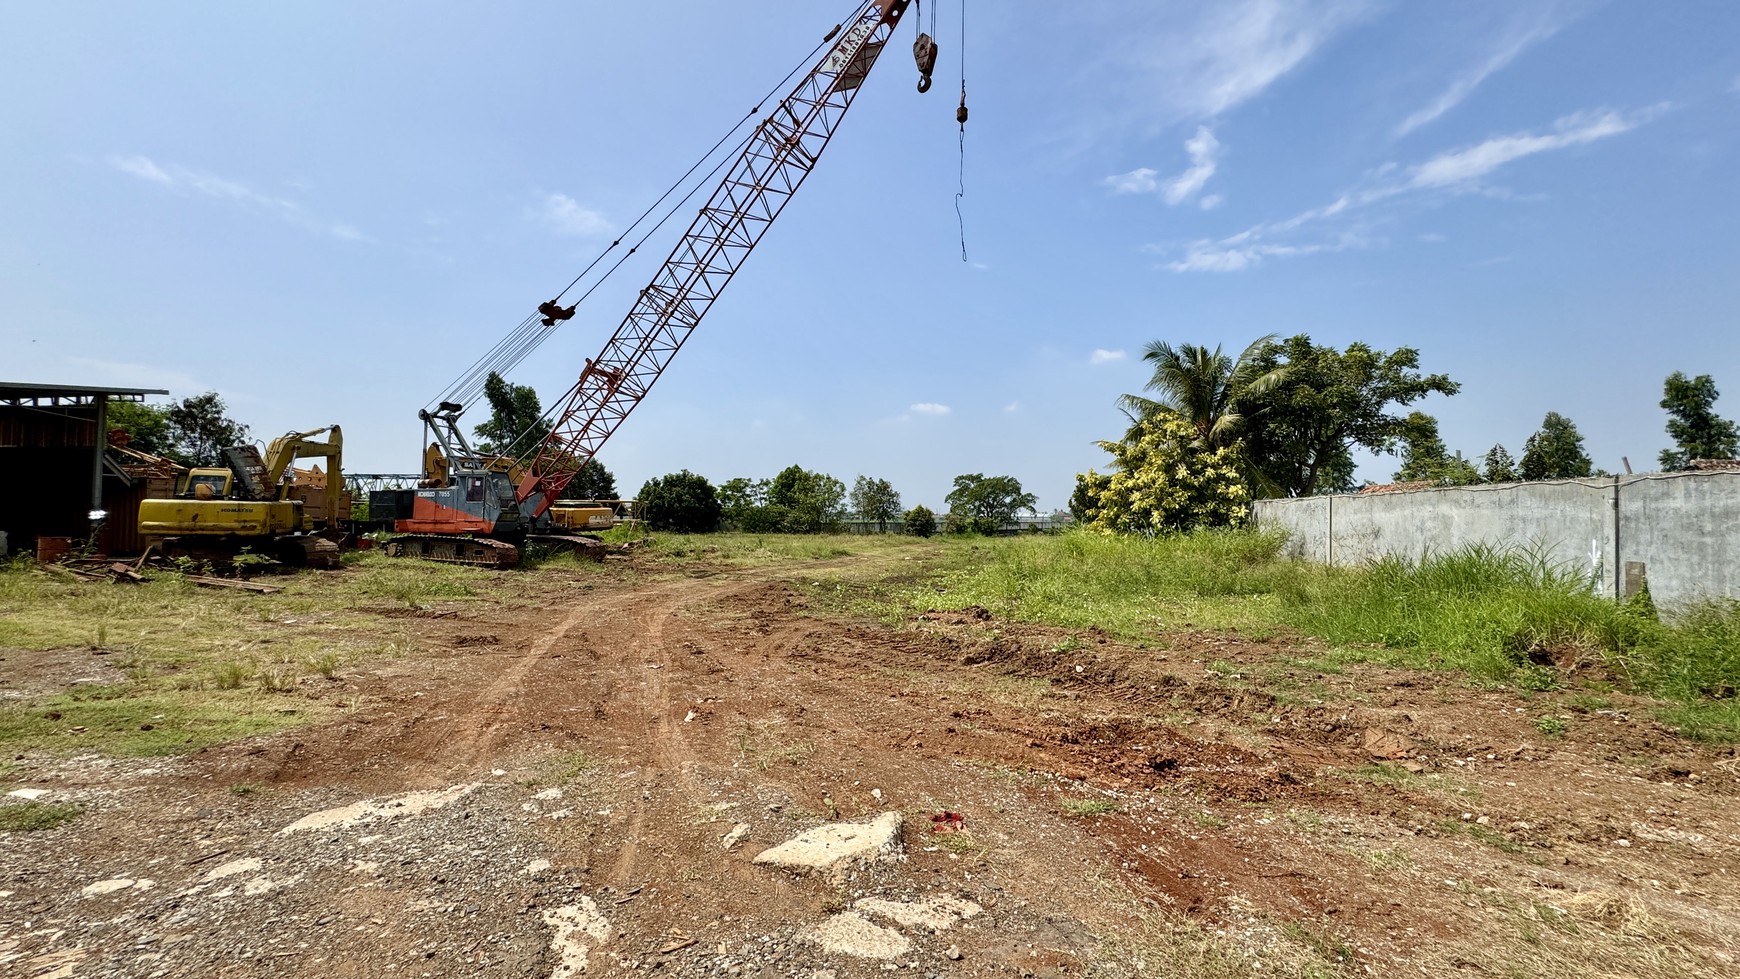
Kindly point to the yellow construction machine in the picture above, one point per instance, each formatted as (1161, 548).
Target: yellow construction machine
(257, 504)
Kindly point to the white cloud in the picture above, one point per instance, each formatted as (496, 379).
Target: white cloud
(1235, 50)
(1519, 37)
(1182, 63)
(1103, 356)
(141, 167)
(1202, 148)
(185, 180)
(567, 217)
(1210, 202)
(1466, 165)
(1012, 407)
(1138, 181)
(1213, 257)
(1432, 237)
(929, 408)
(1454, 171)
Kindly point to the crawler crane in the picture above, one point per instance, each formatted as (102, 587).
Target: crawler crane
(471, 508)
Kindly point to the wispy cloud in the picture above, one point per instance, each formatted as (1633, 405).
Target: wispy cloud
(187, 180)
(1182, 63)
(1203, 150)
(1236, 50)
(1104, 356)
(141, 167)
(1142, 180)
(1012, 407)
(1526, 31)
(566, 216)
(929, 408)
(1467, 165)
(1453, 171)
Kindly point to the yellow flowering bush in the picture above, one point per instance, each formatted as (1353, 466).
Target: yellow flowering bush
(1166, 479)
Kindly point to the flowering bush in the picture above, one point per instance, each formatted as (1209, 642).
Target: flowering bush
(1167, 479)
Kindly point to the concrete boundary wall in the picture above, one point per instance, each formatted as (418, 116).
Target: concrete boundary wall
(1682, 529)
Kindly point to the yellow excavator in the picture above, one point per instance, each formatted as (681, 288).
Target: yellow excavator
(254, 504)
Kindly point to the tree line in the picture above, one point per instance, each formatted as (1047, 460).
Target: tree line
(798, 501)
(1284, 417)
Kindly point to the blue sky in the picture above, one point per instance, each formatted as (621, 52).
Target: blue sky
(327, 211)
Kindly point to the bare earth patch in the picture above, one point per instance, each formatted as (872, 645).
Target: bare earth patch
(571, 796)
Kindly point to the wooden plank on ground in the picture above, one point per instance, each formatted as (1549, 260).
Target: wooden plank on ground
(252, 586)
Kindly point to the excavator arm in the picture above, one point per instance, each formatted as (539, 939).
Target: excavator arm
(767, 172)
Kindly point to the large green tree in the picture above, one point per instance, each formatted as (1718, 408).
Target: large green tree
(592, 482)
(200, 429)
(875, 499)
(1424, 458)
(146, 425)
(1301, 433)
(516, 424)
(744, 507)
(1204, 387)
(1698, 432)
(808, 502)
(1499, 467)
(681, 501)
(1555, 451)
(985, 504)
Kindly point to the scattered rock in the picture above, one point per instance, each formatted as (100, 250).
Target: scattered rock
(934, 913)
(849, 933)
(578, 928)
(729, 841)
(834, 849)
(377, 810)
(108, 886)
(243, 866)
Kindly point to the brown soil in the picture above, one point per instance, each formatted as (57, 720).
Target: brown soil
(1125, 810)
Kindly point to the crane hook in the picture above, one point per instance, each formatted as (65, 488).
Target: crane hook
(924, 53)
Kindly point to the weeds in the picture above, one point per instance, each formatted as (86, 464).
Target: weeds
(1501, 615)
(1550, 726)
(31, 817)
(1083, 808)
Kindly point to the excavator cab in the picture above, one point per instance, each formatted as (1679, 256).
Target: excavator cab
(206, 484)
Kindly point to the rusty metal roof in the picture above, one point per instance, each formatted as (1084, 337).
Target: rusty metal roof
(14, 392)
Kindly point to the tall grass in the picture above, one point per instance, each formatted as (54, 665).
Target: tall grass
(1483, 609)
(1496, 613)
(1128, 586)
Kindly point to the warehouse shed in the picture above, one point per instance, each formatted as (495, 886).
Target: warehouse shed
(57, 478)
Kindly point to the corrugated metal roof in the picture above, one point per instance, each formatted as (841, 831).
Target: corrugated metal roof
(16, 391)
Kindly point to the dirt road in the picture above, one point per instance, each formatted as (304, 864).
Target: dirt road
(545, 787)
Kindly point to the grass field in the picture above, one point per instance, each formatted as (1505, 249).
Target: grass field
(183, 667)
(1501, 616)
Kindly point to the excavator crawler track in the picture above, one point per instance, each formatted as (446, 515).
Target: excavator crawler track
(478, 551)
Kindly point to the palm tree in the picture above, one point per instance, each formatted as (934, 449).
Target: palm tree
(1201, 386)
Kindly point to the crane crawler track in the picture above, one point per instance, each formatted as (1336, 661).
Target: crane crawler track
(477, 551)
